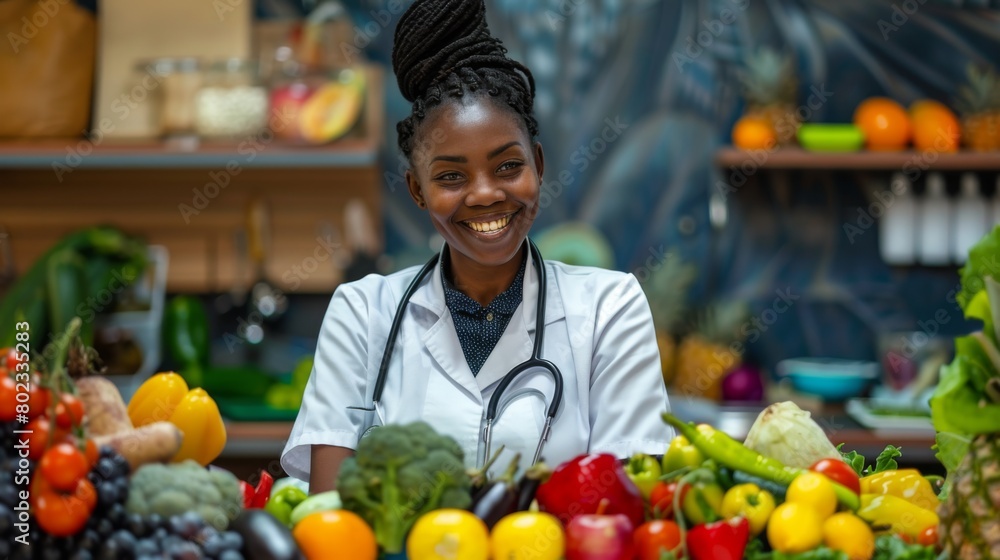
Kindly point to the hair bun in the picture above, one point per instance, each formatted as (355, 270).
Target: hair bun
(436, 37)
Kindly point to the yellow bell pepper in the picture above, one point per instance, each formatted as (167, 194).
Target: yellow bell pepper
(198, 417)
(908, 484)
(156, 399)
(899, 514)
(165, 396)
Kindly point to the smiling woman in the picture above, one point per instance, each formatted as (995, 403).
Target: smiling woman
(467, 330)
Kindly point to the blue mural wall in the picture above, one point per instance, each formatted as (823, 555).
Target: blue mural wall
(660, 74)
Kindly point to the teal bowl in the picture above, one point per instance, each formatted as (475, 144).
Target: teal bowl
(831, 379)
(831, 137)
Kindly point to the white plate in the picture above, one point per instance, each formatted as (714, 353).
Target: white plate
(861, 410)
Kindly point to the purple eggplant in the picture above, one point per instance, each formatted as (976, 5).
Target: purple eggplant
(498, 498)
(529, 483)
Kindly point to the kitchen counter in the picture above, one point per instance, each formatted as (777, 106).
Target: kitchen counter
(259, 444)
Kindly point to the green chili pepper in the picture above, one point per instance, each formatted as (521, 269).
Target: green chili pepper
(726, 451)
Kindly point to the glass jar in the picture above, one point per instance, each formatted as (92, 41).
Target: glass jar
(180, 82)
(232, 103)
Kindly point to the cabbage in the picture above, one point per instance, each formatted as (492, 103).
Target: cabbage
(785, 432)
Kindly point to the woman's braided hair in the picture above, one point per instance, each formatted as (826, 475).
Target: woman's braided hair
(443, 49)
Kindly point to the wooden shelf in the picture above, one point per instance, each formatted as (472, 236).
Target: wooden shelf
(797, 158)
(51, 154)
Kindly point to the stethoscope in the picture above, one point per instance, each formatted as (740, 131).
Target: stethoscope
(534, 361)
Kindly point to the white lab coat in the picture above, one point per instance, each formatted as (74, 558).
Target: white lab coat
(598, 332)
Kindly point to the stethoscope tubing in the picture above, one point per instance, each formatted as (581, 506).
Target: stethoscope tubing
(533, 362)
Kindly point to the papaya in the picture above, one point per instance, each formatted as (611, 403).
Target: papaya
(332, 111)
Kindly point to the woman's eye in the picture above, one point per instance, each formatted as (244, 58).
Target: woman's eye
(449, 177)
(510, 165)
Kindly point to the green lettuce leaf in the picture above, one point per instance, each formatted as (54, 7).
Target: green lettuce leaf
(984, 260)
(956, 405)
(976, 365)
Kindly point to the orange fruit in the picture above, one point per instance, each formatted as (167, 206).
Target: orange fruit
(935, 126)
(884, 122)
(334, 535)
(754, 133)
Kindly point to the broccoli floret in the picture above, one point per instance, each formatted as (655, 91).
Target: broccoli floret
(178, 488)
(400, 472)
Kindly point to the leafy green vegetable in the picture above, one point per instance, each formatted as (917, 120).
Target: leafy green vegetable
(984, 260)
(755, 551)
(957, 406)
(891, 547)
(886, 460)
(950, 448)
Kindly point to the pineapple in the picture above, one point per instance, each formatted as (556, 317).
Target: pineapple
(770, 88)
(667, 292)
(707, 355)
(970, 516)
(979, 104)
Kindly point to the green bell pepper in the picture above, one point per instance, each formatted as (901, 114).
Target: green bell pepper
(680, 454)
(644, 471)
(701, 502)
(282, 502)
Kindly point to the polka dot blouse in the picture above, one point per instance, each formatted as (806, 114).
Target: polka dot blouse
(480, 328)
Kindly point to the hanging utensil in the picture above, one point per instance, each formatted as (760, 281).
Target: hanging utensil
(266, 299)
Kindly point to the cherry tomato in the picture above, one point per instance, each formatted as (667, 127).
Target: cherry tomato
(929, 536)
(69, 411)
(661, 499)
(91, 452)
(10, 359)
(38, 398)
(39, 437)
(86, 493)
(839, 472)
(655, 537)
(63, 466)
(60, 515)
(8, 399)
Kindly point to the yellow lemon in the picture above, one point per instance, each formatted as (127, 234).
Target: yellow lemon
(815, 490)
(794, 528)
(849, 534)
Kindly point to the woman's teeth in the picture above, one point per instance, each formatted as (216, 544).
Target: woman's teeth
(489, 227)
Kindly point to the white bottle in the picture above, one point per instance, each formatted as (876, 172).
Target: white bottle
(898, 226)
(935, 223)
(969, 220)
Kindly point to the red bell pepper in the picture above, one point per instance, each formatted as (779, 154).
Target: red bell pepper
(722, 540)
(577, 487)
(263, 490)
(248, 493)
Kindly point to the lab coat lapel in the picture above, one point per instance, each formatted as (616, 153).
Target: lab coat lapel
(441, 339)
(515, 345)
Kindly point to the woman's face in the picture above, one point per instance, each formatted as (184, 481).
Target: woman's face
(478, 173)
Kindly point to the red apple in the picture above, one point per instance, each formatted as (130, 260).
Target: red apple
(600, 537)
(286, 104)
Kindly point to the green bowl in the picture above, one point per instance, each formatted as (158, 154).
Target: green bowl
(831, 137)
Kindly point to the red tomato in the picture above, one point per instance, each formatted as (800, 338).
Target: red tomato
(60, 515)
(86, 492)
(38, 440)
(11, 360)
(655, 537)
(63, 466)
(69, 411)
(38, 398)
(92, 453)
(661, 499)
(929, 536)
(8, 399)
(839, 472)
